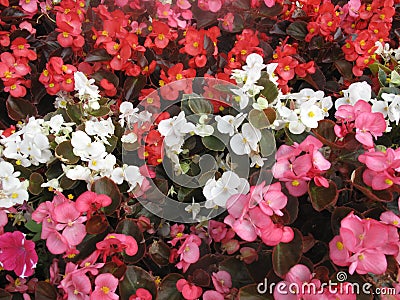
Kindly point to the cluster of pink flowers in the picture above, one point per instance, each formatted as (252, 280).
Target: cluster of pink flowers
(368, 124)
(382, 168)
(298, 164)
(363, 243)
(250, 215)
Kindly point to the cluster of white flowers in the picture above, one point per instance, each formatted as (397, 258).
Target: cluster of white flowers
(29, 145)
(13, 191)
(307, 107)
(217, 192)
(248, 77)
(384, 50)
(88, 92)
(174, 131)
(59, 128)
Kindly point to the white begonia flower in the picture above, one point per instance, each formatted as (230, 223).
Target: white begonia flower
(310, 114)
(245, 142)
(117, 175)
(394, 110)
(217, 192)
(381, 106)
(52, 184)
(270, 70)
(77, 172)
(13, 191)
(85, 86)
(193, 209)
(36, 148)
(128, 113)
(256, 159)
(356, 91)
(133, 176)
(296, 127)
(102, 129)
(62, 99)
(326, 104)
(203, 129)
(241, 97)
(85, 148)
(129, 138)
(229, 124)
(103, 165)
(55, 123)
(174, 129)
(261, 103)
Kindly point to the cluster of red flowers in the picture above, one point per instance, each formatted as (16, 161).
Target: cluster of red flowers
(58, 76)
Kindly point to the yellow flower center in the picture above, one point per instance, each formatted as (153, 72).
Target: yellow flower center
(295, 182)
(105, 290)
(339, 246)
(388, 181)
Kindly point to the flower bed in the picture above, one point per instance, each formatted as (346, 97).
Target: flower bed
(199, 149)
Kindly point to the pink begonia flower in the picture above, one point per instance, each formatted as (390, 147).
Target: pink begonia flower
(17, 254)
(389, 217)
(70, 221)
(3, 220)
(29, 6)
(217, 230)
(222, 282)
(90, 202)
(27, 26)
(141, 294)
(248, 255)
(189, 252)
(227, 21)
(214, 5)
(297, 169)
(106, 284)
(183, 4)
(269, 3)
(189, 291)
(363, 244)
(369, 125)
(79, 287)
(353, 7)
(213, 295)
(115, 242)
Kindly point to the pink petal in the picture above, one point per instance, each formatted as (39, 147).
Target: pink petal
(245, 230)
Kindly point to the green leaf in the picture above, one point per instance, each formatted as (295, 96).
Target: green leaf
(135, 278)
(322, 197)
(267, 143)
(168, 290)
(101, 112)
(64, 152)
(200, 105)
(297, 30)
(382, 77)
(32, 226)
(107, 187)
(258, 119)
(270, 90)
(213, 143)
(35, 182)
(75, 112)
(185, 167)
(286, 255)
(376, 66)
(19, 109)
(113, 140)
(130, 228)
(394, 78)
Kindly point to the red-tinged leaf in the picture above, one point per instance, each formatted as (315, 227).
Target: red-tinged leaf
(237, 269)
(64, 152)
(322, 197)
(107, 187)
(316, 80)
(286, 255)
(273, 11)
(345, 68)
(201, 278)
(4, 295)
(258, 291)
(45, 291)
(133, 86)
(18, 108)
(381, 196)
(338, 214)
(98, 55)
(160, 252)
(297, 30)
(129, 227)
(116, 270)
(97, 224)
(326, 134)
(168, 290)
(135, 278)
(101, 74)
